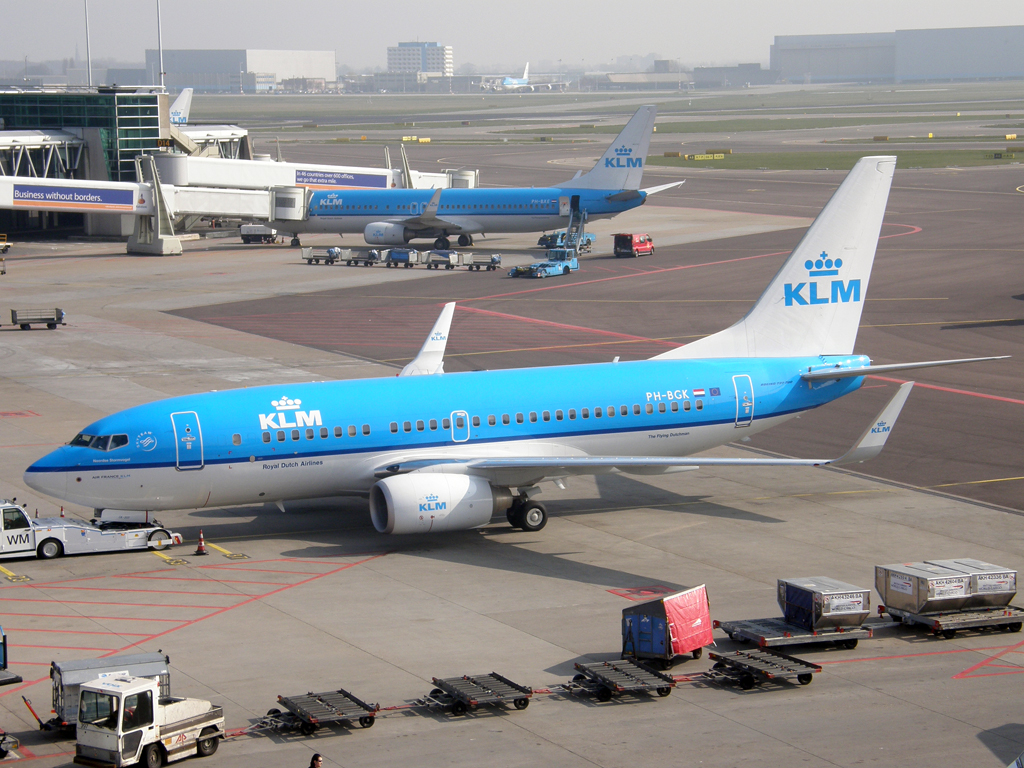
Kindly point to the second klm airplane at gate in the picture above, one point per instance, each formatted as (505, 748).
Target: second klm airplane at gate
(439, 451)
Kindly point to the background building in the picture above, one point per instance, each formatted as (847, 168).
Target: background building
(431, 58)
(229, 70)
(965, 53)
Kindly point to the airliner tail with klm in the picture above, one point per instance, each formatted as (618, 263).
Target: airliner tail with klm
(437, 451)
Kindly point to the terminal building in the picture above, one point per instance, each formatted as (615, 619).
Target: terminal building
(248, 70)
(907, 55)
(427, 58)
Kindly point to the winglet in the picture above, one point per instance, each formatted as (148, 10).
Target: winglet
(874, 437)
(431, 355)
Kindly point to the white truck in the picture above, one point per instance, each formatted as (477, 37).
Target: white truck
(257, 233)
(124, 721)
(52, 537)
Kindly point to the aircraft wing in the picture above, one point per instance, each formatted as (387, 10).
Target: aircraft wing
(429, 219)
(527, 470)
(828, 374)
(633, 194)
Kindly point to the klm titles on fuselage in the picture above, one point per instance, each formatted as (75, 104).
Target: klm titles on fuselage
(279, 420)
(623, 159)
(832, 292)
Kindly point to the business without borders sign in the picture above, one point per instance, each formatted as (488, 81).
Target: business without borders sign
(73, 198)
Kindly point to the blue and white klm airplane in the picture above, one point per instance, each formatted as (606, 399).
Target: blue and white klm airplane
(439, 451)
(181, 107)
(398, 216)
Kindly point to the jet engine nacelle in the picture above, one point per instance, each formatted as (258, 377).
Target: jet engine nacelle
(386, 233)
(432, 503)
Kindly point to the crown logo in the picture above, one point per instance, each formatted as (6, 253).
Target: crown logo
(621, 151)
(432, 497)
(286, 404)
(823, 265)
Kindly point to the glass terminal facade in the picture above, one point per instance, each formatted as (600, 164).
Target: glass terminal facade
(128, 123)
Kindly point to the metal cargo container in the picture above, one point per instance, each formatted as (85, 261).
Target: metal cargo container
(990, 584)
(921, 587)
(817, 602)
(67, 676)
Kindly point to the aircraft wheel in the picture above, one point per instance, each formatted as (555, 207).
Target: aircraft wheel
(514, 514)
(295, 242)
(465, 240)
(534, 516)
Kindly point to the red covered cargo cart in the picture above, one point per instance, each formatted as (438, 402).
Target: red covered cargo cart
(662, 630)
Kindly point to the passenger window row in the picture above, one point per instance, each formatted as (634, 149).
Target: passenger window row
(311, 434)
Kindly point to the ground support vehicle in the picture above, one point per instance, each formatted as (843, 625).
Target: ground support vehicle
(633, 245)
(606, 679)
(948, 623)
(558, 240)
(257, 233)
(7, 743)
(404, 257)
(6, 678)
(66, 678)
(749, 668)
(560, 261)
(4, 245)
(308, 712)
(327, 255)
(440, 258)
(480, 261)
(26, 318)
(768, 633)
(353, 258)
(459, 695)
(52, 537)
(124, 720)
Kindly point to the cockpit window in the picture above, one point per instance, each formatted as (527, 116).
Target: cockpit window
(100, 442)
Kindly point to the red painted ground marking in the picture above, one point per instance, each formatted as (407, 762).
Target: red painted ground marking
(638, 594)
(89, 618)
(104, 602)
(258, 570)
(31, 756)
(312, 578)
(215, 581)
(120, 589)
(77, 632)
(990, 661)
(913, 231)
(61, 647)
(17, 414)
(951, 390)
(563, 326)
(1004, 648)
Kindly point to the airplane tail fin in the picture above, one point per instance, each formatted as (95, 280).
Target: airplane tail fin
(181, 107)
(622, 166)
(813, 304)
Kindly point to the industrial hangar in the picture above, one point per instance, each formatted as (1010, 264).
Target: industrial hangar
(382, 618)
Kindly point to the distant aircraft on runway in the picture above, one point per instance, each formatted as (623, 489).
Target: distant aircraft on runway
(439, 451)
(521, 84)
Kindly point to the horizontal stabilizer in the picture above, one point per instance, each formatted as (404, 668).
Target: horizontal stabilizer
(662, 187)
(829, 374)
(874, 437)
(431, 355)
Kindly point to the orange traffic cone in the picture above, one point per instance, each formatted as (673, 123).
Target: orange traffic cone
(201, 549)
(62, 511)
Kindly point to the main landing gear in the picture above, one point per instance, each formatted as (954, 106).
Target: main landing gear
(465, 240)
(527, 515)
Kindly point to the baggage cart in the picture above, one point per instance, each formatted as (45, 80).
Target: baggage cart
(606, 679)
(947, 624)
(663, 630)
(459, 695)
(26, 318)
(990, 584)
(479, 261)
(818, 602)
(5, 246)
(307, 713)
(404, 257)
(6, 677)
(749, 668)
(767, 633)
(66, 677)
(353, 258)
(922, 587)
(328, 256)
(439, 258)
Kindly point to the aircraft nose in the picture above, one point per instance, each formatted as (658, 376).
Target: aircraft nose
(49, 475)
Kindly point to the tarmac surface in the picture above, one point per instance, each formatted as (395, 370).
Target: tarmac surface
(322, 601)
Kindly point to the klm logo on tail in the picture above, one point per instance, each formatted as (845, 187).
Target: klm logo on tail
(623, 159)
(822, 291)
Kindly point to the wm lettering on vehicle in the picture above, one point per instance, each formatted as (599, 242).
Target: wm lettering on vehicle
(285, 407)
(18, 538)
(431, 504)
(822, 292)
(623, 159)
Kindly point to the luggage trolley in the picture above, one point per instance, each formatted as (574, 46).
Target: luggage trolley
(606, 679)
(750, 668)
(309, 712)
(459, 695)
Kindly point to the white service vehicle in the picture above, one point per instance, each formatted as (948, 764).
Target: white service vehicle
(52, 537)
(124, 721)
(257, 233)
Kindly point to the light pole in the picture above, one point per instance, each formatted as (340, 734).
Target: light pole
(88, 53)
(160, 43)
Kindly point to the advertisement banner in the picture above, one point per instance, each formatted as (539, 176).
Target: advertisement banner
(339, 179)
(52, 198)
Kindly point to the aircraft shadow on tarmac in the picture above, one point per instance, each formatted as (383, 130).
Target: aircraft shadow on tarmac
(1005, 742)
(989, 324)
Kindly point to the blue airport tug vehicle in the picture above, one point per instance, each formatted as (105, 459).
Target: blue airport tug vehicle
(560, 261)
(560, 240)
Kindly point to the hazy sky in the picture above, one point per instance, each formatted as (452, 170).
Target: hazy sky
(485, 34)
